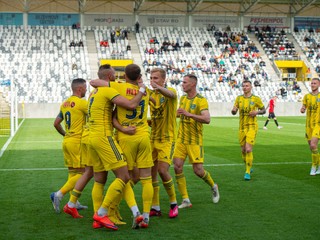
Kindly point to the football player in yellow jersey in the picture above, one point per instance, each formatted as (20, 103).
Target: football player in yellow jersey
(105, 72)
(105, 151)
(311, 103)
(193, 111)
(137, 147)
(163, 135)
(73, 112)
(249, 107)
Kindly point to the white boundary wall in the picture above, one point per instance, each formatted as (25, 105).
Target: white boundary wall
(51, 110)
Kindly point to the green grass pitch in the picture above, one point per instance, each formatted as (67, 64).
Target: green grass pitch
(280, 202)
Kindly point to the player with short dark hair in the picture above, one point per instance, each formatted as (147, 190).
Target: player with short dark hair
(249, 107)
(193, 112)
(73, 112)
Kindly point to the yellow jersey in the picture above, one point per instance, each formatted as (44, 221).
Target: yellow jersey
(100, 109)
(136, 117)
(190, 131)
(73, 111)
(312, 105)
(245, 106)
(163, 117)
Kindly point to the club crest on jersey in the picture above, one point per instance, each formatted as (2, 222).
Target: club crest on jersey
(251, 103)
(193, 106)
(162, 100)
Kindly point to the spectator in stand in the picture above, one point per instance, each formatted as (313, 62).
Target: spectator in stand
(128, 47)
(104, 43)
(72, 44)
(137, 26)
(296, 29)
(186, 44)
(113, 36)
(80, 43)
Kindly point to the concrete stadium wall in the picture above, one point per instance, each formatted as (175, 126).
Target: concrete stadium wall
(51, 110)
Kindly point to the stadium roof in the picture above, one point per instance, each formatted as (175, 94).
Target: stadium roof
(205, 7)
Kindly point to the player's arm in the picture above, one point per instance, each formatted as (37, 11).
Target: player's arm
(130, 130)
(164, 91)
(234, 110)
(151, 99)
(260, 111)
(129, 104)
(99, 83)
(303, 109)
(235, 107)
(57, 124)
(204, 117)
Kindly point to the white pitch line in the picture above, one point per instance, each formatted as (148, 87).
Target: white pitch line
(37, 141)
(187, 165)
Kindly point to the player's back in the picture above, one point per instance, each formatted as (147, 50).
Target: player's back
(136, 117)
(100, 109)
(73, 110)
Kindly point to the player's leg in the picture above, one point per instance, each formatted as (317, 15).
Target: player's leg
(71, 206)
(196, 157)
(313, 143)
(163, 169)
(155, 206)
(266, 123)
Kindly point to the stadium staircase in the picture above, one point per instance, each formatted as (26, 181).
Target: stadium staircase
(269, 69)
(136, 53)
(92, 54)
(304, 89)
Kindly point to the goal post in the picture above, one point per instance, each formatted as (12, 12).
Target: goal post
(8, 108)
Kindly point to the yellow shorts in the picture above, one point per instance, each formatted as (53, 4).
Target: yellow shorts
(194, 152)
(312, 132)
(137, 151)
(162, 151)
(247, 136)
(72, 154)
(86, 159)
(106, 153)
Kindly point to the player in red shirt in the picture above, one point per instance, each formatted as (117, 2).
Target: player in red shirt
(271, 106)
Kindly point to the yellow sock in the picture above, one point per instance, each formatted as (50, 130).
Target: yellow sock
(128, 195)
(315, 157)
(169, 186)
(71, 174)
(249, 160)
(182, 185)
(74, 195)
(243, 155)
(114, 193)
(97, 195)
(69, 185)
(147, 193)
(208, 179)
(156, 190)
